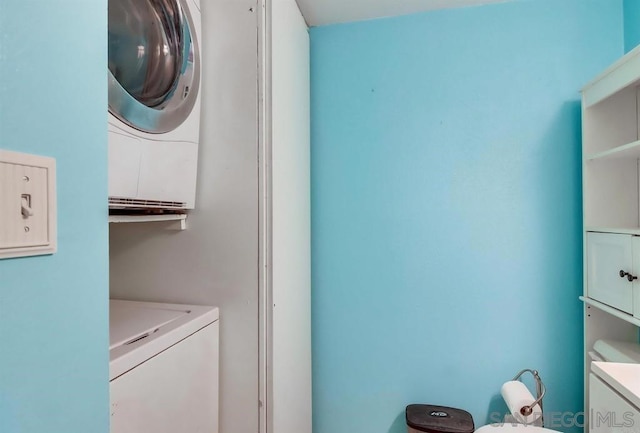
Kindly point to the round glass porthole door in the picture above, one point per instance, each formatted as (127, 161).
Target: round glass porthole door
(154, 70)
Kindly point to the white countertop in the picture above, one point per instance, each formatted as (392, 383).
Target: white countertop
(624, 378)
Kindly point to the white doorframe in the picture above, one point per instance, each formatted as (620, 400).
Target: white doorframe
(284, 219)
(264, 230)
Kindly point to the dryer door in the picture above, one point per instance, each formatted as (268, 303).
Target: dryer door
(154, 65)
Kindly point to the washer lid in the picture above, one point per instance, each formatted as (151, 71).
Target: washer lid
(140, 330)
(130, 322)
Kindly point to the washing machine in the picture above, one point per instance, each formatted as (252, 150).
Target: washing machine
(154, 103)
(163, 369)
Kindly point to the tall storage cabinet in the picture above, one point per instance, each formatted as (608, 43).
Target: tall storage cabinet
(611, 205)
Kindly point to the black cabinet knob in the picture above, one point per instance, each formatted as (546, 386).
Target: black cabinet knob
(627, 274)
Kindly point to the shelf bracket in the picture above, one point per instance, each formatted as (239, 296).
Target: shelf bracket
(172, 222)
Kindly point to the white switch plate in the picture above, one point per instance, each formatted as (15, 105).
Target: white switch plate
(27, 205)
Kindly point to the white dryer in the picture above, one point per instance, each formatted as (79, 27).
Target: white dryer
(154, 103)
(163, 368)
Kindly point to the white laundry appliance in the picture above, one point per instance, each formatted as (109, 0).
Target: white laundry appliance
(154, 103)
(163, 369)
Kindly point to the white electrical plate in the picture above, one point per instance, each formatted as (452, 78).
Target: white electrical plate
(27, 205)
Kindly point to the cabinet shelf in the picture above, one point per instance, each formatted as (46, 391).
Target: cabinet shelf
(626, 151)
(621, 230)
(610, 310)
(178, 221)
(621, 74)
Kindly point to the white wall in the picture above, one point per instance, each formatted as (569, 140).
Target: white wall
(215, 261)
(291, 264)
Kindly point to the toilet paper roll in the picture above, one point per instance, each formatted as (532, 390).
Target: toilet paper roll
(517, 395)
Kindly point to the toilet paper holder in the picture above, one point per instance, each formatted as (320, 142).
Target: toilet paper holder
(540, 391)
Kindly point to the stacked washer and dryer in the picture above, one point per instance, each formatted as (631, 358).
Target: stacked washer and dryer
(163, 357)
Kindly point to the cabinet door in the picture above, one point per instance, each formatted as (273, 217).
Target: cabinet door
(607, 255)
(609, 412)
(636, 270)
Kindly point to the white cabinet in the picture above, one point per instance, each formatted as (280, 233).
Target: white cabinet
(611, 211)
(612, 266)
(610, 412)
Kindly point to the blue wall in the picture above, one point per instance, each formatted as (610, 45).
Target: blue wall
(631, 24)
(54, 309)
(446, 198)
